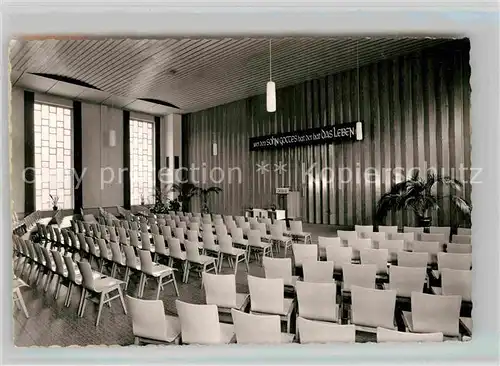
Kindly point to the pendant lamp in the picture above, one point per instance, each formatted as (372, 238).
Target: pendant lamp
(270, 87)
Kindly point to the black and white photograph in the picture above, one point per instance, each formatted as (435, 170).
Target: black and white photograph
(254, 190)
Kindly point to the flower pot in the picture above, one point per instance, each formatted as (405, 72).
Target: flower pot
(424, 221)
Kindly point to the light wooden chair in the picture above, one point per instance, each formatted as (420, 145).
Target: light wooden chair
(416, 230)
(455, 282)
(324, 242)
(445, 230)
(200, 325)
(99, 287)
(159, 272)
(389, 335)
(194, 259)
(393, 247)
(388, 229)
(461, 239)
(405, 280)
(346, 235)
(376, 238)
(432, 248)
(377, 257)
(339, 256)
(408, 238)
(220, 290)
(316, 271)
(227, 250)
(411, 259)
(17, 296)
(279, 238)
(280, 268)
(304, 253)
(452, 261)
(267, 296)
(312, 331)
(297, 232)
(362, 230)
(458, 248)
(318, 301)
(256, 245)
(372, 308)
(259, 329)
(433, 314)
(357, 245)
(150, 324)
(362, 275)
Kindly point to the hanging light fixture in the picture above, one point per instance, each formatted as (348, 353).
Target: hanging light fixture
(271, 87)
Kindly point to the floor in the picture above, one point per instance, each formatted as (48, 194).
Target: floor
(50, 323)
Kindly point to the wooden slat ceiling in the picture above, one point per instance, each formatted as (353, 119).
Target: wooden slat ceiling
(196, 74)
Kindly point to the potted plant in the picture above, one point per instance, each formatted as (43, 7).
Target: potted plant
(185, 191)
(54, 199)
(419, 195)
(204, 193)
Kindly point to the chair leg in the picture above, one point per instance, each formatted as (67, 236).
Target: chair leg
(236, 260)
(120, 293)
(158, 289)
(68, 295)
(83, 302)
(141, 285)
(187, 267)
(101, 303)
(175, 284)
(21, 302)
(246, 262)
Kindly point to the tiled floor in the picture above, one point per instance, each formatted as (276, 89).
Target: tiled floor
(50, 323)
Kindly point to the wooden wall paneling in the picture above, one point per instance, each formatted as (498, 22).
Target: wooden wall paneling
(410, 106)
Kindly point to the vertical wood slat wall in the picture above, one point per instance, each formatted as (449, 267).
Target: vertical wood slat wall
(415, 110)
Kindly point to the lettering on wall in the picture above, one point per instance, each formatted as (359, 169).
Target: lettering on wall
(352, 131)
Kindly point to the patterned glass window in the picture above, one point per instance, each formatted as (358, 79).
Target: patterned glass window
(141, 162)
(53, 156)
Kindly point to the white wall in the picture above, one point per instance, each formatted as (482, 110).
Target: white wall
(98, 157)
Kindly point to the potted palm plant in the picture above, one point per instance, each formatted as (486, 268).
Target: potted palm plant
(185, 191)
(419, 195)
(204, 194)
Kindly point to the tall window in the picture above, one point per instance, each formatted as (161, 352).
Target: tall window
(53, 156)
(141, 162)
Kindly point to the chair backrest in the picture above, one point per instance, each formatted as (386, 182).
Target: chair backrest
(375, 256)
(311, 331)
(458, 248)
(362, 275)
(262, 227)
(148, 318)
(144, 227)
(154, 229)
(435, 313)
(130, 258)
(239, 220)
(440, 238)
(256, 329)
(220, 230)
(220, 289)
(413, 259)
(254, 237)
(358, 244)
(339, 256)
(405, 280)
(134, 226)
(159, 242)
(296, 227)
(192, 251)
(317, 301)
(388, 335)
(461, 239)
(245, 227)
(387, 229)
(82, 242)
(59, 262)
(103, 249)
(324, 241)
(194, 226)
(446, 230)
(192, 236)
(174, 247)
(70, 266)
(73, 239)
(199, 323)
(122, 233)
(91, 245)
(303, 253)
(407, 237)
(146, 261)
(457, 282)
(345, 236)
(363, 229)
(373, 308)
(166, 231)
(393, 247)
(454, 261)
(464, 231)
(316, 271)
(278, 268)
(209, 241)
(134, 238)
(266, 294)
(179, 233)
(116, 254)
(417, 230)
(237, 234)
(87, 277)
(207, 227)
(145, 241)
(430, 247)
(218, 221)
(376, 237)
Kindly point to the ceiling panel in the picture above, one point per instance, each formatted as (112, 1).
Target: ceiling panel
(94, 96)
(198, 73)
(66, 90)
(35, 83)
